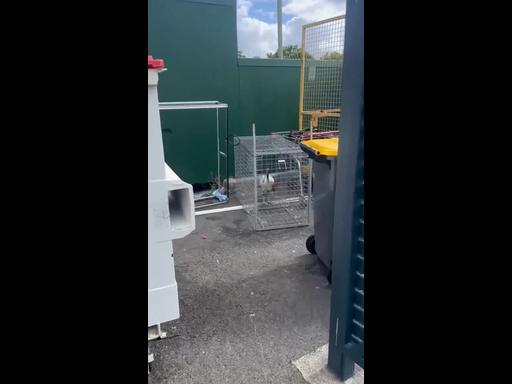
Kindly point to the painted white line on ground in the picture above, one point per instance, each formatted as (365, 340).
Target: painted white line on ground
(218, 210)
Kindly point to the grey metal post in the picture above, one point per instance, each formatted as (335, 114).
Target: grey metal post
(280, 29)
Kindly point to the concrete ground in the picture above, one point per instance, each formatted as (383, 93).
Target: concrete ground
(250, 302)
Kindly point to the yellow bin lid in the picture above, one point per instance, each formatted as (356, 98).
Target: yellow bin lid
(323, 147)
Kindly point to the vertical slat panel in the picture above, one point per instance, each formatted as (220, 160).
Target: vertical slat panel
(346, 337)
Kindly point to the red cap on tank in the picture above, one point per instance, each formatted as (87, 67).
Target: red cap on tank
(155, 63)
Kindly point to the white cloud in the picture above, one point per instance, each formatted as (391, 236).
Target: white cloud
(243, 8)
(257, 37)
(314, 10)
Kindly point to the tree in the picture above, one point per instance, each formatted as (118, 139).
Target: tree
(289, 52)
(332, 56)
(241, 55)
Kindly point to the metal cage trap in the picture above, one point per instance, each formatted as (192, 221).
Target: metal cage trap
(272, 181)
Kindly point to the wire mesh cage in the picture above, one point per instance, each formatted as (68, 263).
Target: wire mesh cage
(321, 63)
(272, 181)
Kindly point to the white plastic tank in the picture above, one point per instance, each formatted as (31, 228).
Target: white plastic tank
(170, 213)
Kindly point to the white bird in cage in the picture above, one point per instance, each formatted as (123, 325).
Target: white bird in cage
(267, 184)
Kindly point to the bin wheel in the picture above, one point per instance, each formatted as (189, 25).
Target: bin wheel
(310, 244)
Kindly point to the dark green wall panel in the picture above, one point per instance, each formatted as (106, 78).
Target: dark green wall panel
(197, 40)
(269, 95)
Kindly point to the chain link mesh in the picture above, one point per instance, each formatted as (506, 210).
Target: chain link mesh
(323, 45)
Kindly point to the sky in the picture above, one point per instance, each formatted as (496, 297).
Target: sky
(257, 22)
